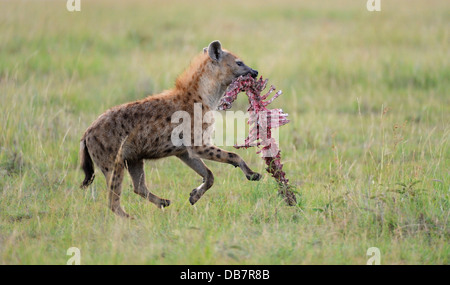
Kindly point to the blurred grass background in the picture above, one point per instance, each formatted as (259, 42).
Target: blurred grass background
(367, 147)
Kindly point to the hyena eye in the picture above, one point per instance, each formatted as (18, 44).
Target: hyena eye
(239, 63)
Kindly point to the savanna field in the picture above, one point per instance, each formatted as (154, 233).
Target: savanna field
(367, 148)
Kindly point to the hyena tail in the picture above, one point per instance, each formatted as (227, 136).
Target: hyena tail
(86, 164)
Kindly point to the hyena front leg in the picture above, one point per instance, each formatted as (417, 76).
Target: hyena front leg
(136, 170)
(216, 154)
(199, 166)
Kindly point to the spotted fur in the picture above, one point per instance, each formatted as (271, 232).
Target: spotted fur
(125, 135)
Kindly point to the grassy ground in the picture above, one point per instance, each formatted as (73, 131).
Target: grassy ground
(367, 147)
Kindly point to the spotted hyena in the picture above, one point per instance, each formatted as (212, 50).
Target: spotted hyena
(125, 135)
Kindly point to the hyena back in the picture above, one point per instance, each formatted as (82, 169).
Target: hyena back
(125, 135)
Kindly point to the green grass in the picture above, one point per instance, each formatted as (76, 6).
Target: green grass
(367, 147)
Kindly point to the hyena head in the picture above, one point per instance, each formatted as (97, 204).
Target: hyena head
(226, 65)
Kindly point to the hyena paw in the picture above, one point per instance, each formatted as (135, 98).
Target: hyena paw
(195, 196)
(119, 211)
(254, 176)
(164, 203)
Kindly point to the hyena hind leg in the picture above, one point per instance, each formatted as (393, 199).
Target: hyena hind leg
(136, 170)
(115, 188)
(199, 166)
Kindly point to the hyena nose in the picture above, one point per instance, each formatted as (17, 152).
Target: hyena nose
(254, 73)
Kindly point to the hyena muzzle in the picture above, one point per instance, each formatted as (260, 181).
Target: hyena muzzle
(125, 135)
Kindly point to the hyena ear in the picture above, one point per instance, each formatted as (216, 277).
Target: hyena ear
(215, 51)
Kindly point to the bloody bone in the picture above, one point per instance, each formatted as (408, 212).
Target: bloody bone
(261, 122)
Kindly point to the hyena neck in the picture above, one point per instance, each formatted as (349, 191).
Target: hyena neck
(211, 91)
